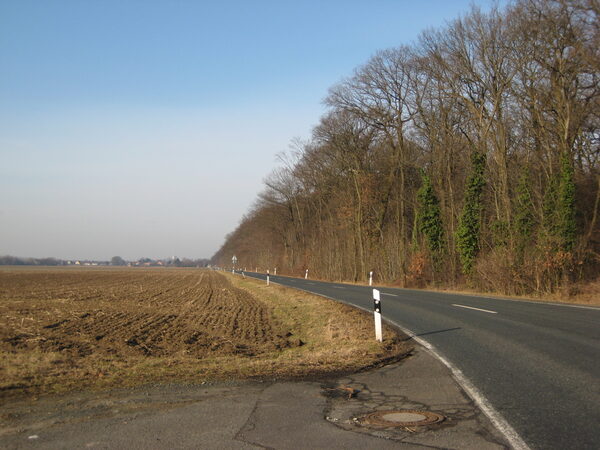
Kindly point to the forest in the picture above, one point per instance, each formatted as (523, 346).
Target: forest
(469, 158)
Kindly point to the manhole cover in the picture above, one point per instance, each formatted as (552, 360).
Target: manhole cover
(404, 418)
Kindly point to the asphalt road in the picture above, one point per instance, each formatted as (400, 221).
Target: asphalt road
(536, 364)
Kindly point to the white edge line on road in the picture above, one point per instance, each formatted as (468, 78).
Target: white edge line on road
(594, 308)
(534, 302)
(495, 417)
(477, 309)
(480, 400)
(391, 295)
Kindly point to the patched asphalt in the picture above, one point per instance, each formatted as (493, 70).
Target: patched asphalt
(270, 414)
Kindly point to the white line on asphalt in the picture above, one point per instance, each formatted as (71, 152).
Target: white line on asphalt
(391, 295)
(478, 309)
(480, 400)
(497, 419)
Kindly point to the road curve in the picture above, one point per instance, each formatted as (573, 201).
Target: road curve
(537, 364)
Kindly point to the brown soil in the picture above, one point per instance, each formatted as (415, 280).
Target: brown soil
(152, 314)
(70, 328)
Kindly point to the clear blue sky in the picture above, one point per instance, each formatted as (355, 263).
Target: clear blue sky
(145, 128)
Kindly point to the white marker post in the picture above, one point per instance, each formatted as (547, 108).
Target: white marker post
(306, 275)
(267, 277)
(275, 271)
(243, 274)
(377, 314)
(371, 278)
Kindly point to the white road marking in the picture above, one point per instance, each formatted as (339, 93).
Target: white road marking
(495, 417)
(544, 303)
(515, 440)
(391, 295)
(480, 400)
(477, 309)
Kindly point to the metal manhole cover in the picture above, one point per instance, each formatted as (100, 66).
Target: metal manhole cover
(403, 418)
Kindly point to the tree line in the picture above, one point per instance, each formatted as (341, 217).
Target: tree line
(471, 156)
(8, 260)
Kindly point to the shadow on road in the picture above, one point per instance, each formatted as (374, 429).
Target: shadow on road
(431, 332)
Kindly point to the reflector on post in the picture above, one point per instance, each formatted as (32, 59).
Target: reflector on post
(377, 315)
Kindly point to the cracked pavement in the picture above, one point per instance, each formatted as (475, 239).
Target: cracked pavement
(276, 414)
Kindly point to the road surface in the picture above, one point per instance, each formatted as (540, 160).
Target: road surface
(536, 364)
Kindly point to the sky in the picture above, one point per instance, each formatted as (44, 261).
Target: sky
(145, 128)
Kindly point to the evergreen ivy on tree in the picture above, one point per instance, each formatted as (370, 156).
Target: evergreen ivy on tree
(470, 219)
(559, 208)
(524, 216)
(429, 219)
(567, 226)
(550, 221)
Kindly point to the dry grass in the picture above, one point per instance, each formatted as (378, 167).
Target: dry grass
(64, 329)
(336, 337)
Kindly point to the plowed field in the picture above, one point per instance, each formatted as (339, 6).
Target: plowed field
(120, 314)
(149, 313)
(66, 328)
